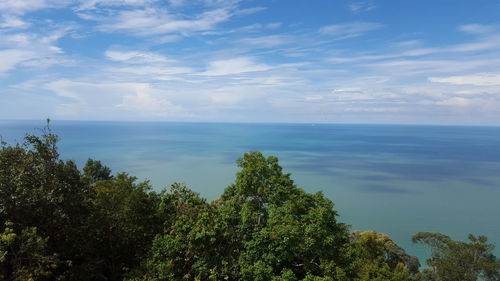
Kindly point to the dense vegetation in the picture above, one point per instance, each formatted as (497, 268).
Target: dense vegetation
(60, 223)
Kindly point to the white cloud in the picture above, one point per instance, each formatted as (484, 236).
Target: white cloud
(267, 80)
(94, 4)
(480, 79)
(226, 96)
(349, 30)
(274, 25)
(32, 50)
(48, 61)
(112, 99)
(11, 58)
(363, 6)
(217, 75)
(22, 6)
(373, 109)
(455, 101)
(12, 22)
(252, 28)
(484, 44)
(219, 3)
(351, 94)
(152, 21)
(18, 40)
(153, 72)
(476, 28)
(365, 93)
(135, 57)
(405, 67)
(409, 43)
(420, 52)
(490, 42)
(166, 39)
(35, 41)
(83, 92)
(235, 96)
(314, 98)
(234, 66)
(145, 101)
(269, 41)
(409, 53)
(146, 64)
(177, 3)
(249, 11)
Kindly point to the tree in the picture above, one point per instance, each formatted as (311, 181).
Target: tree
(94, 171)
(61, 224)
(192, 245)
(39, 190)
(125, 220)
(380, 258)
(262, 228)
(455, 260)
(24, 255)
(280, 231)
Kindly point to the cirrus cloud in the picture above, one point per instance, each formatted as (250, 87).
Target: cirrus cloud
(349, 30)
(479, 79)
(234, 66)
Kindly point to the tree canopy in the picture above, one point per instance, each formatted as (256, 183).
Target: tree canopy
(60, 223)
(457, 260)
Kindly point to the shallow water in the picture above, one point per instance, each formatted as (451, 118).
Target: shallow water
(395, 179)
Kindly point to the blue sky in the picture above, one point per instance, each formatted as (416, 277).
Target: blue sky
(391, 61)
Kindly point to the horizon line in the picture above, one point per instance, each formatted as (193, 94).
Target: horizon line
(252, 122)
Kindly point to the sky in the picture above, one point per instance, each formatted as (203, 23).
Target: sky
(295, 61)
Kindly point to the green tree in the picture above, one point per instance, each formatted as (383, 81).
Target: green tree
(25, 256)
(125, 220)
(380, 258)
(37, 189)
(262, 228)
(281, 232)
(455, 260)
(193, 245)
(94, 171)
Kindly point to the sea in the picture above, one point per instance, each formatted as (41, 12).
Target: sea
(395, 179)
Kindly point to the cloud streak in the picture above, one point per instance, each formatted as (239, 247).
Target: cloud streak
(234, 66)
(363, 6)
(153, 22)
(227, 60)
(480, 79)
(349, 30)
(136, 57)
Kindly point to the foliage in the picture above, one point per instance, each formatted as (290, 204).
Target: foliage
(25, 256)
(192, 246)
(380, 258)
(280, 231)
(98, 226)
(262, 228)
(125, 219)
(39, 190)
(456, 260)
(94, 171)
(63, 224)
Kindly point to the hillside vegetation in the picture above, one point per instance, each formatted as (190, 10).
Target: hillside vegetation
(62, 223)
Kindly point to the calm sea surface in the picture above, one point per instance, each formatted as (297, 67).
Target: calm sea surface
(395, 179)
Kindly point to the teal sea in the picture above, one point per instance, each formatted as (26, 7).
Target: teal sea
(395, 179)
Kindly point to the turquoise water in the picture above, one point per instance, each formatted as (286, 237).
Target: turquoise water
(395, 179)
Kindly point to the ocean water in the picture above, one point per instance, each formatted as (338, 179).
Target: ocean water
(394, 179)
